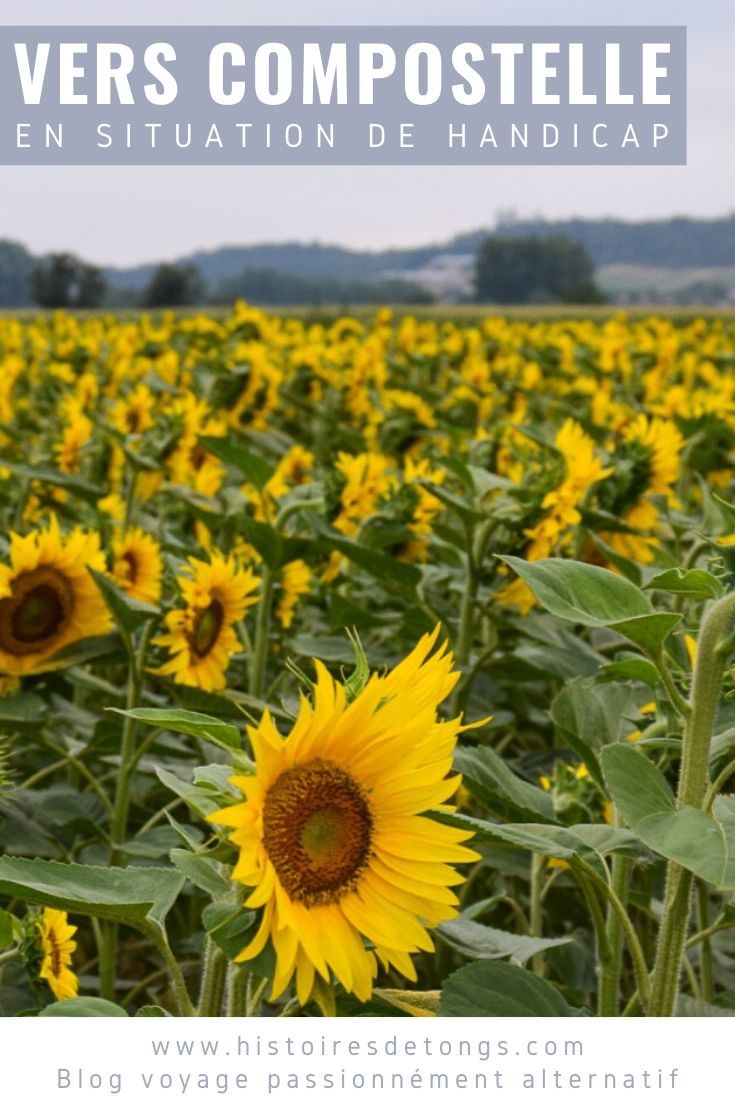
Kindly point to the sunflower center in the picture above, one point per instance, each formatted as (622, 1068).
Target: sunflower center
(38, 609)
(317, 829)
(128, 566)
(54, 953)
(207, 628)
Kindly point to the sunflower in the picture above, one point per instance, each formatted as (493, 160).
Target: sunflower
(47, 596)
(332, 836)
(582, 469)
(134, 413)
(57, 946)
(295, 582)
(77, 432)
(201, 636)
(137, 566)
(656, 450)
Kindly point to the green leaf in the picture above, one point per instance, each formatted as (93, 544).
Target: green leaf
(554, 648)
(417, 1004)
(126, 611)
(496, 786)
(687, 583)
(458, 505)
(589, 715)
(579, 592)
(22, 710)
(224, 735)
(133, 895)
(648, 632)
(687, 1007)
(6, 930)
(590, 841)
(229, 925)
(632, 668)
(257, 471)
(85, 1007)
(76, 486)
(627, 567)
(722, 748)
(91, 649)
(702, 843)
(152, 1012)
(274, 548)
(472, 939)
(495, 989)
(202, 871)
(390, 572)
(197, 798)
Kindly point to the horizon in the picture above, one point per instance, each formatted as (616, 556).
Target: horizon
(510, 217)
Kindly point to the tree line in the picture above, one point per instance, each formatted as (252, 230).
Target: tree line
(531, 269)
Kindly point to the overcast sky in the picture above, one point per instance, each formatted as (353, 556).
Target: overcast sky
(123, 215)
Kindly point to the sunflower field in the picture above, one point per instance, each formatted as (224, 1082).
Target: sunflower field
(366, 667)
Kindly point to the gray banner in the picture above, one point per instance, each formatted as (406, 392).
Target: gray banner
(380, 95)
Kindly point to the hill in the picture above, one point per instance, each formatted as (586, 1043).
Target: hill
(667, 243)
(636, 260)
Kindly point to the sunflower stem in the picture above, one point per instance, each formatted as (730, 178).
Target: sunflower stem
(717, 626)
(679, 702)
(255, 995)
(477, 542)
(118, 828)
(466, 628)
(535, 923)
(213, 982)
(634, 945)
(611, 968)
(262, 629)
(597, 915)
(183, 1002)
(237, 991)
(119, 823)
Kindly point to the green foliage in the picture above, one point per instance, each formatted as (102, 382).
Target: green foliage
(270, 287)
(596, 597)
(62, 281)
(472, 939)
(493, 989)
(85, 1007)
(173, 285)
(137, 896)
(703, 843)
(217, 731)
(16, 265)
(534, 269)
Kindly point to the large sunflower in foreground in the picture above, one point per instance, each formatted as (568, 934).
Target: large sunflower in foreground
(332, 836)
(57, 946)
(201, 637)
(48, 599)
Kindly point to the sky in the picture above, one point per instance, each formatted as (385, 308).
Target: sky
(127, 215)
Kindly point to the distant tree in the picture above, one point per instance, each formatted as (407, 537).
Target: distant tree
(92, 287)
(174, 285)
(63, 281)
(16, 265)
(534, 269)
